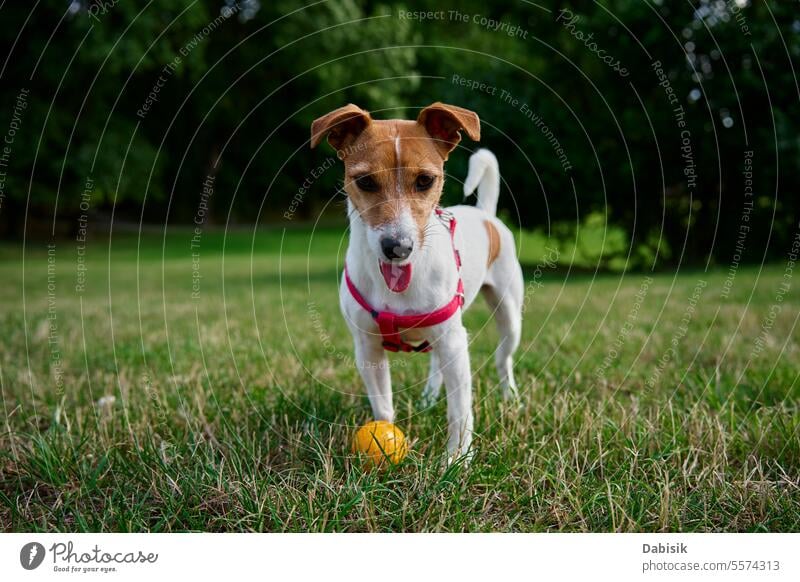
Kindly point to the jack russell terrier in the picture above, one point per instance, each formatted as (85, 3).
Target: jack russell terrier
(412, 267)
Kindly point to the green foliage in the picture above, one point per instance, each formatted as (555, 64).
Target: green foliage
(574, 136)
(352, 53)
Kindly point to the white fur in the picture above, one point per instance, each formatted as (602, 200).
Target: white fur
(399, 177)
(433, 284)
(484, 174)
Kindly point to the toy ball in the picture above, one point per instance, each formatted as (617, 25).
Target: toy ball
(379, 441)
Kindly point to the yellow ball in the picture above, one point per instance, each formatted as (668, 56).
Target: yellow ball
(379, 441)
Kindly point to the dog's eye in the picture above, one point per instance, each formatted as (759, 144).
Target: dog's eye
(424, 182)
(367, 184)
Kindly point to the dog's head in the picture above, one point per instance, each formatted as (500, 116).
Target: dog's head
(394, 173)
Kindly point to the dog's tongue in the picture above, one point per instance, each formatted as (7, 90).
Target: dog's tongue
(397, 277)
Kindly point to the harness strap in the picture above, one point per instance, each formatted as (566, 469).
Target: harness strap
(390, 323)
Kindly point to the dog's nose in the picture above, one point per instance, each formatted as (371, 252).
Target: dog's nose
(396, 248)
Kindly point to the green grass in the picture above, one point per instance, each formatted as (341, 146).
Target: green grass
(233, 411)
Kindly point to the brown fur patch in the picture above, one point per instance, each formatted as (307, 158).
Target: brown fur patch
(394, 153)
(339, 125)
(445, 122)
(374, 153)
(494, 242)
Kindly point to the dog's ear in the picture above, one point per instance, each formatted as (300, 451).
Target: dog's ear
(340, 125)
(444, 124)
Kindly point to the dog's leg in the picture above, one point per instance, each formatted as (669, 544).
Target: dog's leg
(453, 354)
(434, 386)
(508, 318)
(373, 365)
(509, 325)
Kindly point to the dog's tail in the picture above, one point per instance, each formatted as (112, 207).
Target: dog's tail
(484, 174)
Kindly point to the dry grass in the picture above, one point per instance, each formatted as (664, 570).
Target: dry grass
(233, 411)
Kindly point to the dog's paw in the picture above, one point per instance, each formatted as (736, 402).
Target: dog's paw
(512, 404)
(428, 399)
(459, 459)
(510, 392)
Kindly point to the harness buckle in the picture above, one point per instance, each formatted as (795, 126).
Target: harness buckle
(442, 213)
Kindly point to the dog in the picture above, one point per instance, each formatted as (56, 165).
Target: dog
(412, 267)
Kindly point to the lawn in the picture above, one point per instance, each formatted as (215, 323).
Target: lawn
(217, 393)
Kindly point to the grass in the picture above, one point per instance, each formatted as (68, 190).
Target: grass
(233, 411)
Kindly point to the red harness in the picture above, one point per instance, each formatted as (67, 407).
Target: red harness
(390, 323)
